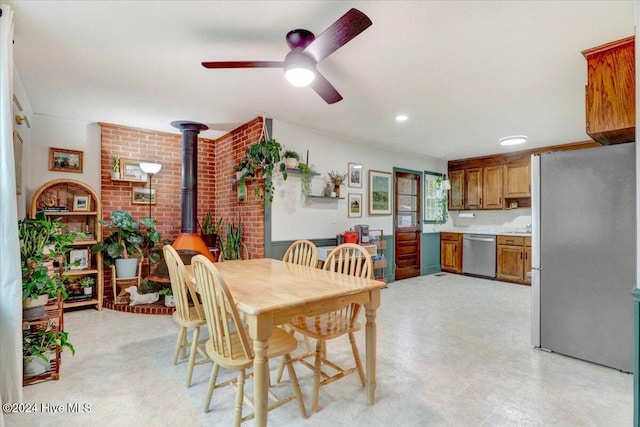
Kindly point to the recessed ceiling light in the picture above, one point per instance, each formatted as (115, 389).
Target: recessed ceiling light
(513, 140)
(401, 118)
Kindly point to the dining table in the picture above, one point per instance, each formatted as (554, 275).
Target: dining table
(270, 292)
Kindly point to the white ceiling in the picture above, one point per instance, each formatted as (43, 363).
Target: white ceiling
(465, 72)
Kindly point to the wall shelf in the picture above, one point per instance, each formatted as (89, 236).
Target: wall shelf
(326, 197)
(297, 172)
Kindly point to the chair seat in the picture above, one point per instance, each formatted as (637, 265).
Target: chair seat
(280, 343)
(193, 320)
(324, 326)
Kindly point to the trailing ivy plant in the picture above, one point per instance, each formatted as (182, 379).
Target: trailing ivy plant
(265, 157)
(305, 180)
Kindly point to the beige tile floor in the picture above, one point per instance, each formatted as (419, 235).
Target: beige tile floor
(452, 351)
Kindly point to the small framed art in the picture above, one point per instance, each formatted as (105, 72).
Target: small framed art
(355, 175)
(62, 160)
(130, 171)
(142, 196)
(354, 202)
(81, 203)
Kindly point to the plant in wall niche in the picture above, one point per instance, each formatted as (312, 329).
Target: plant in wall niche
(337, 178)
(305, 180)
(115, 167)
(211, 230)
(264, 156)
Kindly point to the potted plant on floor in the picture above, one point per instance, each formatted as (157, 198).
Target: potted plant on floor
(232, 248)
(129, 240)
(211, 230)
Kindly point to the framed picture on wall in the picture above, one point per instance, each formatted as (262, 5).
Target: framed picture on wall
(379, 193)
(17, 158)
(62, 160)
(355, 175)
(130, 171)
(80, 203)
(354, 205)
(141, 196)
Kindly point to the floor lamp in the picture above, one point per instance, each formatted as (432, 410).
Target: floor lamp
(150, 169)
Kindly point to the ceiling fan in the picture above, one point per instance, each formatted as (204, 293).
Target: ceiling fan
(307, 50)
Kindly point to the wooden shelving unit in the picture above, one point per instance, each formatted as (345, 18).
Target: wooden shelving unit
(380, 263)
(53, 318)
(60, 194)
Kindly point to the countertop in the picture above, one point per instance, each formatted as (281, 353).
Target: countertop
(487, 231)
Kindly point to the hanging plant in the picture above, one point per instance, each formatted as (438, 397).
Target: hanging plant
(305, 180)
(265, 157)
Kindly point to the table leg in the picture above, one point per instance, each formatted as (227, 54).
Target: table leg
(371, 344)
(260, 329)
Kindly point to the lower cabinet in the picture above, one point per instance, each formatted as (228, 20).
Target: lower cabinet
(514, 259)
(451, 252)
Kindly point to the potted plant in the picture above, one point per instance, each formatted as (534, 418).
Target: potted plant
(337, 178)
(264, 156)
(232, 248)
(210, 230)
(169, 299)
(115, 167)
(291, 159)
(38, 347)
(87, 285)
(43, 242)
(305, 180)
(129, 240)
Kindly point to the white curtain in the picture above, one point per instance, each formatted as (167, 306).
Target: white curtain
(10, 276)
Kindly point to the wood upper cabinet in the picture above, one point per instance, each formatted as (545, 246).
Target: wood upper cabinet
(517, 179)
(473, 188)
(610, 92)
(492, 188)
(451, 252)
(456, 194)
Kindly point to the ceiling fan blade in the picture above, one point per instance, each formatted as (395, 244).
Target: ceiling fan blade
(243, 64)
(325, 89)
(347, 27)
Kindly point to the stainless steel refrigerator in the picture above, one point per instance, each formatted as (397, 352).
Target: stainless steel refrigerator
(584, 253)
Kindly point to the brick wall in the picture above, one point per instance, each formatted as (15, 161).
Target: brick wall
(216, 161)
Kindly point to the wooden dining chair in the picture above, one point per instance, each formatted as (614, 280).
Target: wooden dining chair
(302, 252)
(353, 260)
(186, 315)
(230, 347)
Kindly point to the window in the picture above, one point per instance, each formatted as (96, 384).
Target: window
(435, 199)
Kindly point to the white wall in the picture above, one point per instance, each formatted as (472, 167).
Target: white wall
(68, 134)
(292, 220)
(23, 108)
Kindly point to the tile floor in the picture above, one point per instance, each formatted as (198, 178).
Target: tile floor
(452, 351)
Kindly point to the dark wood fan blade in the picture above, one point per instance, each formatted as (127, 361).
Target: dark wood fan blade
(338, 34)
(325, 89)
(243, 64)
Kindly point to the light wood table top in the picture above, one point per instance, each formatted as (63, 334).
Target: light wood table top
(270, 292)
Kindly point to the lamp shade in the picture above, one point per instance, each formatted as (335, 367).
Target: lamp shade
(150, 168)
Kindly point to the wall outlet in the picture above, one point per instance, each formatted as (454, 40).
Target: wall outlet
(332, 219)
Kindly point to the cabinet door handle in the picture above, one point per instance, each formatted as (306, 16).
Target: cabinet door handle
(480, 201)
(499, 200)
(520, 255)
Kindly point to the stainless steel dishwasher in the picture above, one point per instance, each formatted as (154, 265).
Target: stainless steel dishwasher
(479, 255)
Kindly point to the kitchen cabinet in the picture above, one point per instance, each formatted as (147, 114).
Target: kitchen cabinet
(492, 187)
(512, 260)
(80, 209)
(527, 261)
(473, 188)
(456, 194)
(610, 92)
(517, 179)
(451, 252)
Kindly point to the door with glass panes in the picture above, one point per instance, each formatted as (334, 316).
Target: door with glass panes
(407, 225)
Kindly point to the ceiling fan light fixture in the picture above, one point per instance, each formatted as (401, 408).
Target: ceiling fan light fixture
(513, 140)
(300, 77)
